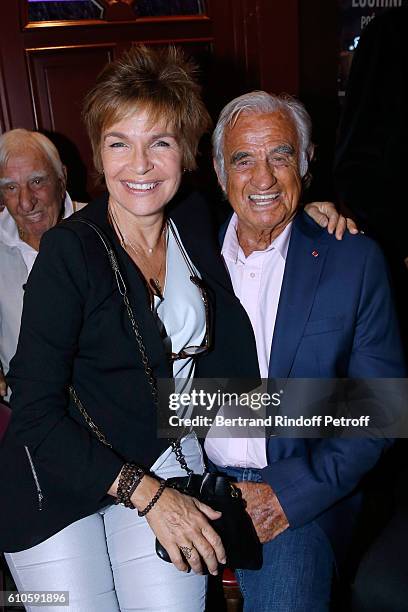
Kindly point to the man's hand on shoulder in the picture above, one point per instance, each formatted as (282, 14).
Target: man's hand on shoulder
(264, 509)
(326, 215)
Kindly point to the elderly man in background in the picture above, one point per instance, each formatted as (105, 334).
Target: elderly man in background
(320, 308)
(33, 199)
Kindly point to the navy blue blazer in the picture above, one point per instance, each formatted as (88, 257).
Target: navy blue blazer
(335, 319)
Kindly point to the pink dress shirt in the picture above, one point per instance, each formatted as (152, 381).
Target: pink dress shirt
(257, 281)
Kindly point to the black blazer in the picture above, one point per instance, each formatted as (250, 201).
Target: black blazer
(75, 329)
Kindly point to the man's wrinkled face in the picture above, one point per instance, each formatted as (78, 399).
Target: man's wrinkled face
(32, 192)
(263, 183)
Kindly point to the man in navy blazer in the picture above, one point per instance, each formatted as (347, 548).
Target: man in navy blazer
(320, 308)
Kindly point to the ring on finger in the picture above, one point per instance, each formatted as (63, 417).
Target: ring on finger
(186, 550)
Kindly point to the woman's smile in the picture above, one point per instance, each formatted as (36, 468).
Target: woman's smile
(142, 163)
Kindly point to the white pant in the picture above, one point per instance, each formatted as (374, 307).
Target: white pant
(107, 561)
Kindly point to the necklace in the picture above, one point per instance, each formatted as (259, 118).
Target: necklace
(143, 255)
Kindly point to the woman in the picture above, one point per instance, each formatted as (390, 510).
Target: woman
(84, 450)
(145, 119)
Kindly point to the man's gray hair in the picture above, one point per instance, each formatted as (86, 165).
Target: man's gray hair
(258, 102)
(21, 139)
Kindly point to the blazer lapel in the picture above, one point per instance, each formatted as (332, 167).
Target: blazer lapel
(306, 256)
(138, 296)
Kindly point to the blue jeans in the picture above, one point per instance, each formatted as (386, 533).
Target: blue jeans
(297, 569)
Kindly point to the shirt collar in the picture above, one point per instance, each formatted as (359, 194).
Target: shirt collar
(8, 228)
(232, 251)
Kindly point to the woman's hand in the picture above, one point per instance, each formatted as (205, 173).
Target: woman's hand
(326, 215)
(181, 521)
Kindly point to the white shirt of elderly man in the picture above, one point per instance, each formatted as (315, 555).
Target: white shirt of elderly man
(34, 199)
(17, 259)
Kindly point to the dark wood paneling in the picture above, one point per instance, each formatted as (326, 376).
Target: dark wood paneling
(60, 78)
(277, 24)
(59, 81)
(4, 111)
(15, 73)
(170, 28)
(262, 49)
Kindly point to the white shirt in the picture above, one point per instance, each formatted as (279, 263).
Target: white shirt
(16, 261)
(257, 282)
(181, 314)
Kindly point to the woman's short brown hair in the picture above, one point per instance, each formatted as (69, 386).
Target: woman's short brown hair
(159, 81)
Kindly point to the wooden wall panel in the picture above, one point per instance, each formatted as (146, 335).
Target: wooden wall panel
(277, 51)
(4, 111)
(264, 50)
(16, 82)
(59, 80)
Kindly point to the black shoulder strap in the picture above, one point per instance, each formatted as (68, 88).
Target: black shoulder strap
(123, 290)
(110, 252)
(175, 444)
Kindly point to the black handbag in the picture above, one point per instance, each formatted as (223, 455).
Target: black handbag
(242, 546)
(238, 535)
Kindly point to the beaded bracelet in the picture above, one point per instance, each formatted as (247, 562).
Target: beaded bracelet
(129, 479)
(154, 499)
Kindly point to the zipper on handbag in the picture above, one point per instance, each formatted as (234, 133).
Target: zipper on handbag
(40, 495)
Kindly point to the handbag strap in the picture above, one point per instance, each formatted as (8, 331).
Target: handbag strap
(87, 418)
(124, 293)
(123, 290)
